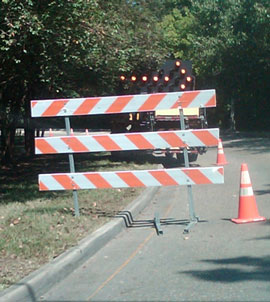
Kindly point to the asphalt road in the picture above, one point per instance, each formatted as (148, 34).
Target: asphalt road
(217, 261)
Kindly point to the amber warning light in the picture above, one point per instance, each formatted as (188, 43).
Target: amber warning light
(166, 79)
(183, 71)
(144, 78)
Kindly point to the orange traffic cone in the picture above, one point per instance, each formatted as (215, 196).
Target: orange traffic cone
(221, 160)
(50, 132)
(86, 131)
(71, 132)
(247, 211)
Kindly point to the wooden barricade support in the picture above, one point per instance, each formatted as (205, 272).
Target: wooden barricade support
(128, 141)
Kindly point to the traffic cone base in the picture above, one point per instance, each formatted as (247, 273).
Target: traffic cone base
(257, 219)
(247, 211)
(221, 160)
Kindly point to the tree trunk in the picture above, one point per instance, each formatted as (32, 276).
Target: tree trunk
(29, 137)
(7, 144)
(232, 119)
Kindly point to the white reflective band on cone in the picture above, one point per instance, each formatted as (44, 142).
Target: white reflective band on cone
(245, 179)
(246, 191)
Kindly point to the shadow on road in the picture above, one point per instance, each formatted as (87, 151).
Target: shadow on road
(263, 192)
(234, 270)
(254, 143)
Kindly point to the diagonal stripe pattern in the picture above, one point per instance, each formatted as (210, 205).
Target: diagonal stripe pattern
(127, 141)
(125, 179)
(123, 104)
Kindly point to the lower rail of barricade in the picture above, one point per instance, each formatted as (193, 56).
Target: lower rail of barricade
(125, 179)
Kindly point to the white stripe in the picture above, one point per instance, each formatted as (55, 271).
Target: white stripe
(169, 100)
(58, 145)
(180, 177)
(156, 140)
(114, 180)
(202, 98)
(135, 103)
(82, 181)
(213, 175)
(90, 143)
(37, 151)
(147, 179)
(246, 191)
(50, 182)
(103, 105)
(40, 107)
(191, 139)
(123, 141)
(245, 179)
(71, 106)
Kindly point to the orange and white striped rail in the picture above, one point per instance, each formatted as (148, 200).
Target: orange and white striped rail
(123, 104)
(127, 141)
(125, 179)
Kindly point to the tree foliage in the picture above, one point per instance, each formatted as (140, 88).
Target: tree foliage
(228, 42)
(70, 48)
(67, 48)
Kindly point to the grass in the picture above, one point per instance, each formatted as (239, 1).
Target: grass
(36, 227)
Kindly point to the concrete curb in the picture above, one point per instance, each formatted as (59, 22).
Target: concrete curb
(30, 288)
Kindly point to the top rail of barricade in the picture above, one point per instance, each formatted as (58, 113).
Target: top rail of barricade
(123, 104)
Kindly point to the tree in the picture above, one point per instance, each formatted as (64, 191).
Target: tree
(228, 43)
(66, 48)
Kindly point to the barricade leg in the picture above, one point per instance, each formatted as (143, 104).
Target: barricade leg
(72, 170)
(157, 224)
(192, 217)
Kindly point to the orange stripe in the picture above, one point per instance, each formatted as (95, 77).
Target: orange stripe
(172, 139)
(65, 181)
(74, 144)
(139, 141)
(86, 106)
(245, 185)
(54, 108)
(206, 137)
(152, 101)
(119, 104)
(130, 179)
(107, 143)
(244, 167)
(33, 104)
(98, 180)
(164, 178)
(44, 146)
(211, 102)
(42, 187)
(221, 171)
(187, 97)
(197, 176)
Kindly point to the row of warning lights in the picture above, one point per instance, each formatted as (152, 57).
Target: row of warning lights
(155, 79)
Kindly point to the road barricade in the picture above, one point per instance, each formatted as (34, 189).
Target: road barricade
(128, 141)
